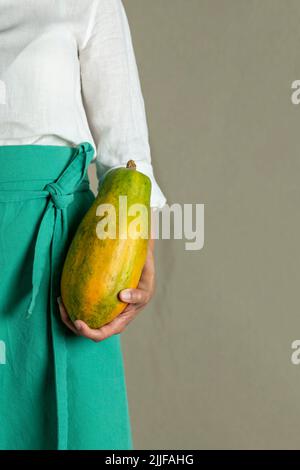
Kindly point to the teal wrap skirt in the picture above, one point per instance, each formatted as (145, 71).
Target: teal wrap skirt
(57, 390)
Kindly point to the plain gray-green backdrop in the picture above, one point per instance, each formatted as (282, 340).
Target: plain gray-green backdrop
(209, 361)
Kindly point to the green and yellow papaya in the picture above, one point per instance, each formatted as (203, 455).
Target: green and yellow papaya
(109, 249)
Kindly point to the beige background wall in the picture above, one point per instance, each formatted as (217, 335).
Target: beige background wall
(208, 364)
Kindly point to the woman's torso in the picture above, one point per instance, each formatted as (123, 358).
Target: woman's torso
(40, 87)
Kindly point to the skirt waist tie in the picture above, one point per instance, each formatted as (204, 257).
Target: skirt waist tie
(51, 239)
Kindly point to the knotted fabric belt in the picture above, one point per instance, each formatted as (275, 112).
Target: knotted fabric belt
(51, 240)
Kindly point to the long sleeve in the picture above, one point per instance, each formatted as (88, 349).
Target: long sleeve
(112, 95)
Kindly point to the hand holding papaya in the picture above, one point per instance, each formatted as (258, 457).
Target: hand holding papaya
(137, 300)
(106, 256)
(109, 249)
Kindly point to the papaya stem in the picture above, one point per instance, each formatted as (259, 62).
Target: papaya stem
(131, 164)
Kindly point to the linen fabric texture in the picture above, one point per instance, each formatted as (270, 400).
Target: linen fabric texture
(58, 390)
(68, 74)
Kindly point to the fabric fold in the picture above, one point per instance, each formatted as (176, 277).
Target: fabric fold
(51, 238)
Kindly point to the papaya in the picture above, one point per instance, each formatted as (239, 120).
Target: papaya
(109, 249)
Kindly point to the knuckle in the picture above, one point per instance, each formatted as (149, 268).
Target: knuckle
(146, 298)
(119, 330)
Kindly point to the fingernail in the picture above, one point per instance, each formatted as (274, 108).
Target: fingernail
(126, 294)
(78, 325)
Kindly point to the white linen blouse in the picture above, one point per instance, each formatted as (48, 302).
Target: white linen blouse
(68, 74)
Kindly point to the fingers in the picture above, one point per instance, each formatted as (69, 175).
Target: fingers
(80, 328)
(115, 327)
(84, 330)
(135, 296)
(136, 299)
(65, 317)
